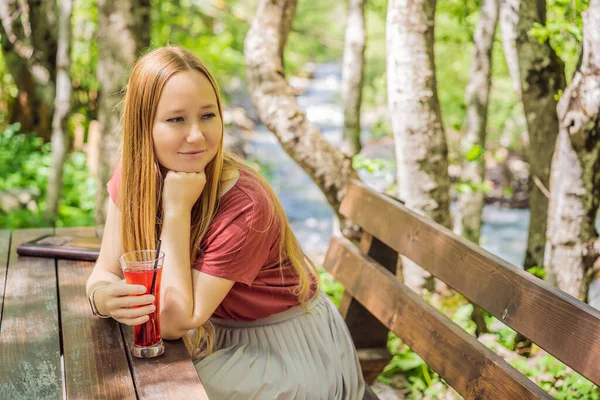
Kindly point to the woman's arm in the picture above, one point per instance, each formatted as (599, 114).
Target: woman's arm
(107, 270)
(188, 297)
(112, 297)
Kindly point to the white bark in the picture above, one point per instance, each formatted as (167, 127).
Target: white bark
(421, 150)
(352, 75)
(329, 168)
(62, 106)
(469, 219)
(575, 185)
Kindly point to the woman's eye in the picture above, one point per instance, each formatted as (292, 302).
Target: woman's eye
(176, 119)
(209, 116)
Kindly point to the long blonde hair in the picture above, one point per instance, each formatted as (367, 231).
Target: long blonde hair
(141, 190)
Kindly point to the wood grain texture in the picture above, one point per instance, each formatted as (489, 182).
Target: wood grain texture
(554, 320)
(465, 363)
(369, 335)
(4, 251)
(170, 376)
(96, 365)
(29, 334)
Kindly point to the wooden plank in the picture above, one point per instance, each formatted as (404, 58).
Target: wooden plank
(366, 330)
(4, 250)
(465, 363)
(96, 365)
(29, 335)
(554, 320)
(368, 333)
(170, 376)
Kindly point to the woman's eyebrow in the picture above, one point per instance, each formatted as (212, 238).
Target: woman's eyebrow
(181, 110)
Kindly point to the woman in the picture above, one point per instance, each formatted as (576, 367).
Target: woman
(235, 284)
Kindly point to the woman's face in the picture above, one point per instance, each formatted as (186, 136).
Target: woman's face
(187, 128)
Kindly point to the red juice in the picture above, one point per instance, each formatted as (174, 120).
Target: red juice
(148, 333)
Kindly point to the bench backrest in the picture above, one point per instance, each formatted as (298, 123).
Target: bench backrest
(557, 322)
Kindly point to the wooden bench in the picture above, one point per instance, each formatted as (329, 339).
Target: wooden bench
(51, 347)
(376, 301)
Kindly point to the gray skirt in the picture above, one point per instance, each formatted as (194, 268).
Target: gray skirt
(289, 355)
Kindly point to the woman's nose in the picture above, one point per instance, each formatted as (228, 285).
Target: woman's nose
(195, 134)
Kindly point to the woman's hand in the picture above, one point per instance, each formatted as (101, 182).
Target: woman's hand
(181, 190)
(124, 302)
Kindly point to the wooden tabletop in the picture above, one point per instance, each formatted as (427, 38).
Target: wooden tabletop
(52, 347)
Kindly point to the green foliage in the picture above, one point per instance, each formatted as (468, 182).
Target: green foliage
(213, 32)
(554, 377)
(330, 286)
(538, 271)
(315, 35)
(471, 187)
(84, 57)
(25, 163)
(371, 164)
(563, 30)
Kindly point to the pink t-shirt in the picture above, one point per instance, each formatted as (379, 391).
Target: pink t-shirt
(241, 245)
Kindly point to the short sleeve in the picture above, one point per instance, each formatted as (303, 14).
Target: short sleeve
(114, 184)
(239, 241)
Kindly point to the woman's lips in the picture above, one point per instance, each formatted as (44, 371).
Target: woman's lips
(192, 153)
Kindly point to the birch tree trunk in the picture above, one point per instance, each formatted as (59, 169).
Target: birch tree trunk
(123, 34)
(575, 184)
(62, 106)
(329, 168)
(542, 76)
(29, 45)
(468, 221)
(352, 75)
(508, 30)
(421, 149)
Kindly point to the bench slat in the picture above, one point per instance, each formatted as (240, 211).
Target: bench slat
(95, 362)
(368, 333)
(4, 250)
(466, 364)
(560, 324)
(179, 381)
(29, 334)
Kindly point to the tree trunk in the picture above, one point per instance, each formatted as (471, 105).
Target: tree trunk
(468, 221)
(329, 168)
(60, 129)
(29, 45)
(575, 185)
(542, 77)
(508, 30)
(123, 34)
(352, 76)
(421, 150)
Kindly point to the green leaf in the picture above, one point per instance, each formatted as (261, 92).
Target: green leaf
(475, 153)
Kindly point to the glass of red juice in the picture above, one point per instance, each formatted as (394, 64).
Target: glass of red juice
(144, 268)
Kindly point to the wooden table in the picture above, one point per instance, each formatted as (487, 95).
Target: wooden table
(52, 347)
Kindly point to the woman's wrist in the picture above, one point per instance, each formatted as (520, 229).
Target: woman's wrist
(98, 298)
(176, 211)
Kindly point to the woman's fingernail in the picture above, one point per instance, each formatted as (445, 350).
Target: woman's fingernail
(152, 308)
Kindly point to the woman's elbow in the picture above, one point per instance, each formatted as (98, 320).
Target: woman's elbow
(171, 334)
(177, 330)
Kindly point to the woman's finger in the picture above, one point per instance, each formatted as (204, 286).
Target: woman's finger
(124, 289)
(133, 321)
(131, 313)
(132, 301)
